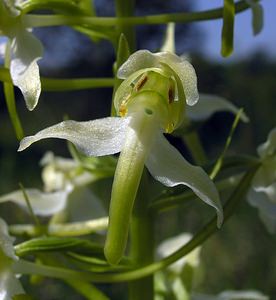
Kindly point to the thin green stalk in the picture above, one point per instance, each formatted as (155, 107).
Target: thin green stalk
(218, 164)
(55, 20)
(142, 242)
(194, 145)
(28, 202)
(53, 85)
(125, 9)
(72, 84)
(65, 230)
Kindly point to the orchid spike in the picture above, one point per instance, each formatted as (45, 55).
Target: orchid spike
(26, 50)
(151, 100)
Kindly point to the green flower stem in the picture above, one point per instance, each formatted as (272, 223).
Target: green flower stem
(89, 291)
(139, 137)
(125, 9)
(25, 267)
(55, 85)
(52, 85)
(5, 75)
(142, 242)
(69, 229)
(55, 20)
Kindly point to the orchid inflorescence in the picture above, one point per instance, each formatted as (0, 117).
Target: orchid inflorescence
(155, 94)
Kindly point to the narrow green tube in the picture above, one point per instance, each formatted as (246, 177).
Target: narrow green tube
(139, 139)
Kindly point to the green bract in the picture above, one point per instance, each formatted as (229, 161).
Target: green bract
(26, 50)
(9, 284)
(150, 101)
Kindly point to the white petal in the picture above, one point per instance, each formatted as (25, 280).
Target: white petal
(239, 295)
(171, 245)
(266, 174)
(10, 5)
(6, 241)
(94, 138)
(145, 59)
(26, 51)
(267, 209)
(10, 286)
(84, 205)
(138, 60)
(186, 73)
(269, 190)
(44, 204)
(169, 167)
(210, 104)
(269, 147)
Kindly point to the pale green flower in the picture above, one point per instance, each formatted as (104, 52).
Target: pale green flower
(58, 173)
(263, 192)
(26, 50)
(151, 100)
(10, 286)
(62, 177)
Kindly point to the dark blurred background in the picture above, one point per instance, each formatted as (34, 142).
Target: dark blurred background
(242, 255)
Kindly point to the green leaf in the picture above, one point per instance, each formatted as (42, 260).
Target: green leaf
(227, 38)
(257, 16)
(46, 244)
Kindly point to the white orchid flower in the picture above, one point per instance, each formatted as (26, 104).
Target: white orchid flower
(26, 50)
(10, 286)
(151, 100)
(42, 203)
(59, 172)
(61, 176)
(263, 192)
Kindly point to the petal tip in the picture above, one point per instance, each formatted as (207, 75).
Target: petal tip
(25, 143)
